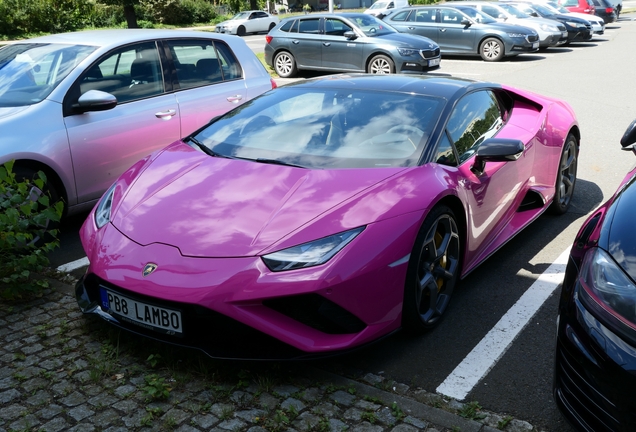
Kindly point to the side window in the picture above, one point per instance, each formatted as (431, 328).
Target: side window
(445, 154)
(401, 16)
(286, 27)
(493, 12)
(425, 15)
(230, 66)
(476, 117)
(309, 26)
(450, 16)
(335, 27)
(129, 73)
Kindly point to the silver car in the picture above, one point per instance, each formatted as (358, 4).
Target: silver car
(84, 107)
(463, 30)
(349, 42)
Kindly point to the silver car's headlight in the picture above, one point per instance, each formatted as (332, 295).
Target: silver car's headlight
(102, 213)
(548, 27)
(407, 52)
(309, 254)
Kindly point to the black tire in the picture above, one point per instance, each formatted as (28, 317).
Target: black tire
(566, 176)
(271, 26)
(240, 31)
(433, 271)
(491, 49)
(25, 173)
(381, 64)
(285, 65)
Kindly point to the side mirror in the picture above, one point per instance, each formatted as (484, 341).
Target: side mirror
(466, 22)
(629, 137)
(350, 35)
(497, 150)
(95, 100)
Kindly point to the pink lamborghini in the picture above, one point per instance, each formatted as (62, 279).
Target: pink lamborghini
(324, 215)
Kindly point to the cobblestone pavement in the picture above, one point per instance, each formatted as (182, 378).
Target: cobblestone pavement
(60, 370)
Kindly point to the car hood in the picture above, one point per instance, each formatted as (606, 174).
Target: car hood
(407, 40)
(11, 111)
(618, 233)
(216, 207)
(509, 28)
(587, 17)
(232, 22)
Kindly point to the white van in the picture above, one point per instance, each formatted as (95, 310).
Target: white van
(382, 8)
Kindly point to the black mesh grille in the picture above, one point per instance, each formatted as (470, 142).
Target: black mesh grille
(317, 312)
(593, 409)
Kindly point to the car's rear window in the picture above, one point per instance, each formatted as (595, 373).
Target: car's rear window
(327, 128)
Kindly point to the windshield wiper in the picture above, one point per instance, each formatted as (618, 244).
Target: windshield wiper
(276, 162)
(207, 150)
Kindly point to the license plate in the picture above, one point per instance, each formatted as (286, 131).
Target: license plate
(535, 45)
(152, 317)
(434, 62)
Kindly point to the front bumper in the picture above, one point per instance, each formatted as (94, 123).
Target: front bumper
(594, 381)
(554, 39)
(579, 35)
(420, 65)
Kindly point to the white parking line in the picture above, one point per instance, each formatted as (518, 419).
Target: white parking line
(73, 265)
(495, 344)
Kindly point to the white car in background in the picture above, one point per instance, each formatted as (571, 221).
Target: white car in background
(598, 25)
(248, 22)
(383, 8)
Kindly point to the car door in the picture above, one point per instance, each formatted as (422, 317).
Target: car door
(209, 80)
(420, 21)
(257, 22)
(491, 195)
(337, 51)
(306, 42)
(453, 35)
(103, 144)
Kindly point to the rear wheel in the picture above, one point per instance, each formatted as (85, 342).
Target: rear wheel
(285, 65)
(491, 49)
(433, 271)
(566, 176)
(381, 64)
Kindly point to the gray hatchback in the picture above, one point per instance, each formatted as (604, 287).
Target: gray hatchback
(349, 42)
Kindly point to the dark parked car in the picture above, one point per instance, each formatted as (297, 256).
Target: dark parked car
(594, 380)
(605, 10)
(349, 42)
(579, 30)
(463, 30)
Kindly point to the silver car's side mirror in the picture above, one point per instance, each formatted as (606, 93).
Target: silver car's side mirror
(95, 100)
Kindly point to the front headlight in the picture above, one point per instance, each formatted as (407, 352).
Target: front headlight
(102, 213)
(548, 27)
(608, 285)
(572, 24)
(407, 52)
(309, 254)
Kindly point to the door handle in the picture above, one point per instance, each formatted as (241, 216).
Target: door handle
(166, 115)
(296, 41)
(326, 44)
(442, 30)
(411, 28)
(234, 99)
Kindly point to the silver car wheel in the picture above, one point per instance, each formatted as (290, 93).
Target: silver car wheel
(285, 65)
(380, 65)
(492, 50)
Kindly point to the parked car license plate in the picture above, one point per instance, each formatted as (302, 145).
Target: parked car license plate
(145, 315)
(535, 45)
(434, 62)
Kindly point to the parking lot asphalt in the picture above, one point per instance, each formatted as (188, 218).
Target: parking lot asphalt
(61, 370)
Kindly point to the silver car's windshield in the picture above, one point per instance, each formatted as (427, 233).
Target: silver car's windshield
(326, 128)
(241, 16)
(514, 11)
(372, 26)
(476, 15)
(29, 72)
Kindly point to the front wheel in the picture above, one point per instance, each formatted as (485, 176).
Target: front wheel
(284, 64)
(566, 176)
(432, 272)
(381, 64)
(241, 31)
(491, 50)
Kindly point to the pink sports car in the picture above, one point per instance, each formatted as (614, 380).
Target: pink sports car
(326, 214)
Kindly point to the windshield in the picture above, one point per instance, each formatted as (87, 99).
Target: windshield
(476, 15)
(241, 16)
(543, 11)
(514, 11)
(326, 128)
(379, 5)
(29, 72)
(371, 26)
(557, 8)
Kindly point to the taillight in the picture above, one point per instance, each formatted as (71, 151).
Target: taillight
(274, 85)
(268, 38)
(609, 10)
